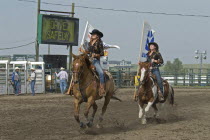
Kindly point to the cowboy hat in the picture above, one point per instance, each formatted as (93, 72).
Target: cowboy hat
(155, 44)
(17, 68)
(32, 68)
(62, 68)
(97, 32)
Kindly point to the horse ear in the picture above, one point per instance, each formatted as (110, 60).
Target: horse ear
(140, 63)
(85, 53)
(74, 56)
(148, 65)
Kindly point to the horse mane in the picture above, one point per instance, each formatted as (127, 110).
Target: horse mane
(85, 59)
(145, 64)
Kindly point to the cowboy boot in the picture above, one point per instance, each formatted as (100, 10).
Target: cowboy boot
(70, 90)
(161, 97)
(102, 91)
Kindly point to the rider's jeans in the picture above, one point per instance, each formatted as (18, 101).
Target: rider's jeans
(156, 72)
(99, 69)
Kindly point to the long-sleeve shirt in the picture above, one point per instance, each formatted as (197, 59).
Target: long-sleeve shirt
(155, 56)
(62, 75)
(16, 76)
(33, 76)
(97, 47)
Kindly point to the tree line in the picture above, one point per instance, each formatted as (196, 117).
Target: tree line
(175, 67)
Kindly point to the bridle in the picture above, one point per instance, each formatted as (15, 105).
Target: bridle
(79, 78)
(145, 79)
(79, 74)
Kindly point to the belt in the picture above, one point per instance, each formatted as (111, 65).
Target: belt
(155, 67)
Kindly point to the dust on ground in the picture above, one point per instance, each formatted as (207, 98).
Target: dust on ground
(50, 116)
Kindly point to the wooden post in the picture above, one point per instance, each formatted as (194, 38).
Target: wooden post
(70, 54)
(37, 43)
(70, 46)
(48, 49)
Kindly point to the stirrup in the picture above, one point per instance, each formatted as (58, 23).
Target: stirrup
(102, 93)
(161, 97)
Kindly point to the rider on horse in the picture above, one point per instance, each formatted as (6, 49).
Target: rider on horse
(95, 49)
(155, 58)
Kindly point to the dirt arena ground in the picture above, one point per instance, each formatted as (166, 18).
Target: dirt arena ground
(50, 117)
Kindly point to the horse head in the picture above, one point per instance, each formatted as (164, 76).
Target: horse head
(79, 65)
(144, 71)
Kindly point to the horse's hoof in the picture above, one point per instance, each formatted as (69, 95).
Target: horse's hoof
(101, 119)
(82, 125)
(99, 126)
(144, 121)
(89, 124)
(156, 116)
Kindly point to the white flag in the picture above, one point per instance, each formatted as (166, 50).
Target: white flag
(87, 35)
(147, 37)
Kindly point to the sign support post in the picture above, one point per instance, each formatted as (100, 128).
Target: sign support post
(37, 43)
(70, 46)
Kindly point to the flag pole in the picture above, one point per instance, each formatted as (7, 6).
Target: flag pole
(83, 37)
(140, 53)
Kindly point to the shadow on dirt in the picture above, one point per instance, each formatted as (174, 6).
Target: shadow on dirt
(121, 126)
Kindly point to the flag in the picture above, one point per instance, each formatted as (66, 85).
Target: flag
(147, 37)
(87, 35)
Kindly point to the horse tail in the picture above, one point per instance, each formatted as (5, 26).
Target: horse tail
(116, 98)
(171, 95)
(113, 89)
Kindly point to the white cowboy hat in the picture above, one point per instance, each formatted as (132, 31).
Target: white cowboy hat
(62, 68)
(17, 68)
(32, 68)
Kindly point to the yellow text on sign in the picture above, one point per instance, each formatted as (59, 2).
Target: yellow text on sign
(58, 30)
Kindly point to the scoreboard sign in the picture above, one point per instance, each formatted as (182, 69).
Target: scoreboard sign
(59, 30)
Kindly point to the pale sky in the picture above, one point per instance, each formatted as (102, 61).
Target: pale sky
(178, 37)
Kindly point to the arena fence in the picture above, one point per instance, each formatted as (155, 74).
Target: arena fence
(124, 79)
(7, 68)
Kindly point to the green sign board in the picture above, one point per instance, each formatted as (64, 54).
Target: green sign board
(59, 30)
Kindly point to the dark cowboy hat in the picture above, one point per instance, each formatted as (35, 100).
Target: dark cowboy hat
(155, 44)
(97, 32)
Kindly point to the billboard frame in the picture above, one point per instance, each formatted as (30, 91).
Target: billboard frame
(40, 30)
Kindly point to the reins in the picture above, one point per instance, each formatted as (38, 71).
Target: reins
(79, 80)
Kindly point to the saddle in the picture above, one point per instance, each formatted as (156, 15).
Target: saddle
(165, 82)
(107, 75)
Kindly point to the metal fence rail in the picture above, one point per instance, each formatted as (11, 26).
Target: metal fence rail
(124, 79)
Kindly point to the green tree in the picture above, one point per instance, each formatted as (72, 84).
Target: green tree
(175, 67)
(168, 67)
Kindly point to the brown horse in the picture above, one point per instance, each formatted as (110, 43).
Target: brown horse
(86, 88)
(148, 92)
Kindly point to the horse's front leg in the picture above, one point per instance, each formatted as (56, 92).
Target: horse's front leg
(76, 112)
(101, 117)
(95, 107)
(141, 105)
(142, 114)
(155, 110)
(146, 110)
(89, 105)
